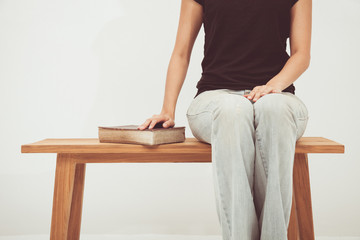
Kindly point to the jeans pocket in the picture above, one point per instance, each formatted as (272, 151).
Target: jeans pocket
(203, 102)
(303, 118)
(301, 109)
(304, 113)
(301, 114)
(301, 127)
(200, 126)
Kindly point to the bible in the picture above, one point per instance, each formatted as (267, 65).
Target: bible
(130, 134)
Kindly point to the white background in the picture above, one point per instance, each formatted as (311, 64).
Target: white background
(67, 67)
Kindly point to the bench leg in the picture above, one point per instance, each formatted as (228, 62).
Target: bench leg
(303, 197)
(293, 229)
(67, 201)
(77, 202)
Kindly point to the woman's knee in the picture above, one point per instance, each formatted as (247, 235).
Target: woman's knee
(226, 109)
(273, 103)
(273, 106)
(232, 107)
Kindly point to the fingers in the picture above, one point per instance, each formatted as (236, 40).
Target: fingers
(151, 122)
(251, 95)
(169, 123)
(145, 124)
(260, 91)
(256, 96)
(259, 94)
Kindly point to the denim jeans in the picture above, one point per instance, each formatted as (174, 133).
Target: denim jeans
(252, 153)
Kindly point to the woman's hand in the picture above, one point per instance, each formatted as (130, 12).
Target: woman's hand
(167, 119)
(260, 91)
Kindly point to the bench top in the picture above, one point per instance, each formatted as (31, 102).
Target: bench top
(190, 145)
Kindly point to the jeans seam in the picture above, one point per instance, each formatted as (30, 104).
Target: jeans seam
(306, 119)
(195, 114)
(220, 192)
(303, 118)
(258, 140)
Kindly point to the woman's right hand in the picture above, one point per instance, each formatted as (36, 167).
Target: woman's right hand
(167, 119)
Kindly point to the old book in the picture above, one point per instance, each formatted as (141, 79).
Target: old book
(130, 134)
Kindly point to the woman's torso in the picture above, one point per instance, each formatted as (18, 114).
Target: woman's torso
(245, 43)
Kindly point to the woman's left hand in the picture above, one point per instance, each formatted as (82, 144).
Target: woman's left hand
(260, 91)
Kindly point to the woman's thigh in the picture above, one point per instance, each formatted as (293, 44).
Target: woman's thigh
(201, 109)
(281, 103)
(199, 114)
(302, 114)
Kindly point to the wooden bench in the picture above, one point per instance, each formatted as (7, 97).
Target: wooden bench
(73, 154)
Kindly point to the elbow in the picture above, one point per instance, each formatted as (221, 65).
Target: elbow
(183, 56)
(304, 58)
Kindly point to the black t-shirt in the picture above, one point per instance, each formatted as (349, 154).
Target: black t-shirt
(245, 43)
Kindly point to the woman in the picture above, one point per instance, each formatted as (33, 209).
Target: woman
(245, 106)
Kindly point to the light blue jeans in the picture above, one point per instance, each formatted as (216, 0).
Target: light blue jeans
(253, 148)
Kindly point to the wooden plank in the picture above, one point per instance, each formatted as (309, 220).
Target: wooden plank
(190, 145)
(303, 197)
(92, 145)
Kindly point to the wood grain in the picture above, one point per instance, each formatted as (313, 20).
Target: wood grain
(76, 203)
(293, 228)
(190, 145)
(303, 197)
(63, 192)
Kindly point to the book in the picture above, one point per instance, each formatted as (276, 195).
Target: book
(130, 134)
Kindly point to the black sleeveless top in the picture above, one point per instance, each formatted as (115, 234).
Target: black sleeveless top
(245, 43)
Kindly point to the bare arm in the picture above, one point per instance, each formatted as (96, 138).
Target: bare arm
(300, 43)
(189, 25)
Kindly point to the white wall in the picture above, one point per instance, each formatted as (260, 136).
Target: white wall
(67, 67)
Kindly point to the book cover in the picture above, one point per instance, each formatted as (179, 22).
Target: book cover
(130, 134)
